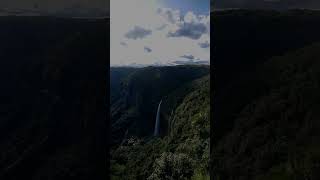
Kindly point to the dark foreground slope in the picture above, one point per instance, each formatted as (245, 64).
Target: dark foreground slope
(265, 115)
(276, 135)
(182, 152)
(244, 39)
(53, 73)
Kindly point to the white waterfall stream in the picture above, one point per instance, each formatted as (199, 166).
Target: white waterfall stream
(157, 125)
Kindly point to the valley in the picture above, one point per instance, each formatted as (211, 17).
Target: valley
(140, 150)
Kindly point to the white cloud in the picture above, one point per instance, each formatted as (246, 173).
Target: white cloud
(172, 16)
(138, 33)
(190, 18)
(204, 44)
(147, 15)
(188, 57)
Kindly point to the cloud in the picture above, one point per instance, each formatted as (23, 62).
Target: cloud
(153, 45)
(123, 43)
(161, 27)
(147, 49)
(172, 16)
(192, 27)
(205, 44)
(189, 30)
(187, 56)
(191, 62)
(138, 33)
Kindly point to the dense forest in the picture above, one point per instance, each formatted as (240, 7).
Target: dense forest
(266, 95)
(53, 95)
(182, 149)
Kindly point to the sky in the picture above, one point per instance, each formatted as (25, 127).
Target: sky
(150, 32)
(197, 6)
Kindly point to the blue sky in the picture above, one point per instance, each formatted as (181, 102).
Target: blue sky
(159, 31)
(197, 6)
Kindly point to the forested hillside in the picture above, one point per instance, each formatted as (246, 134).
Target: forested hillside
(266, 100)
(141, 90)
(185, 93)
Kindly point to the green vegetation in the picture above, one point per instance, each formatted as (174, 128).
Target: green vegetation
(182, 152)
(133, 113)
(275, 136)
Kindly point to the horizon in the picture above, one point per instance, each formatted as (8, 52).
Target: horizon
(150, 66)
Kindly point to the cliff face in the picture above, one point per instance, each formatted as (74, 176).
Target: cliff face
(53, 122)
(141, 91)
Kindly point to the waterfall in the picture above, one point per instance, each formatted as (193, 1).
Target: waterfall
(157, 125)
